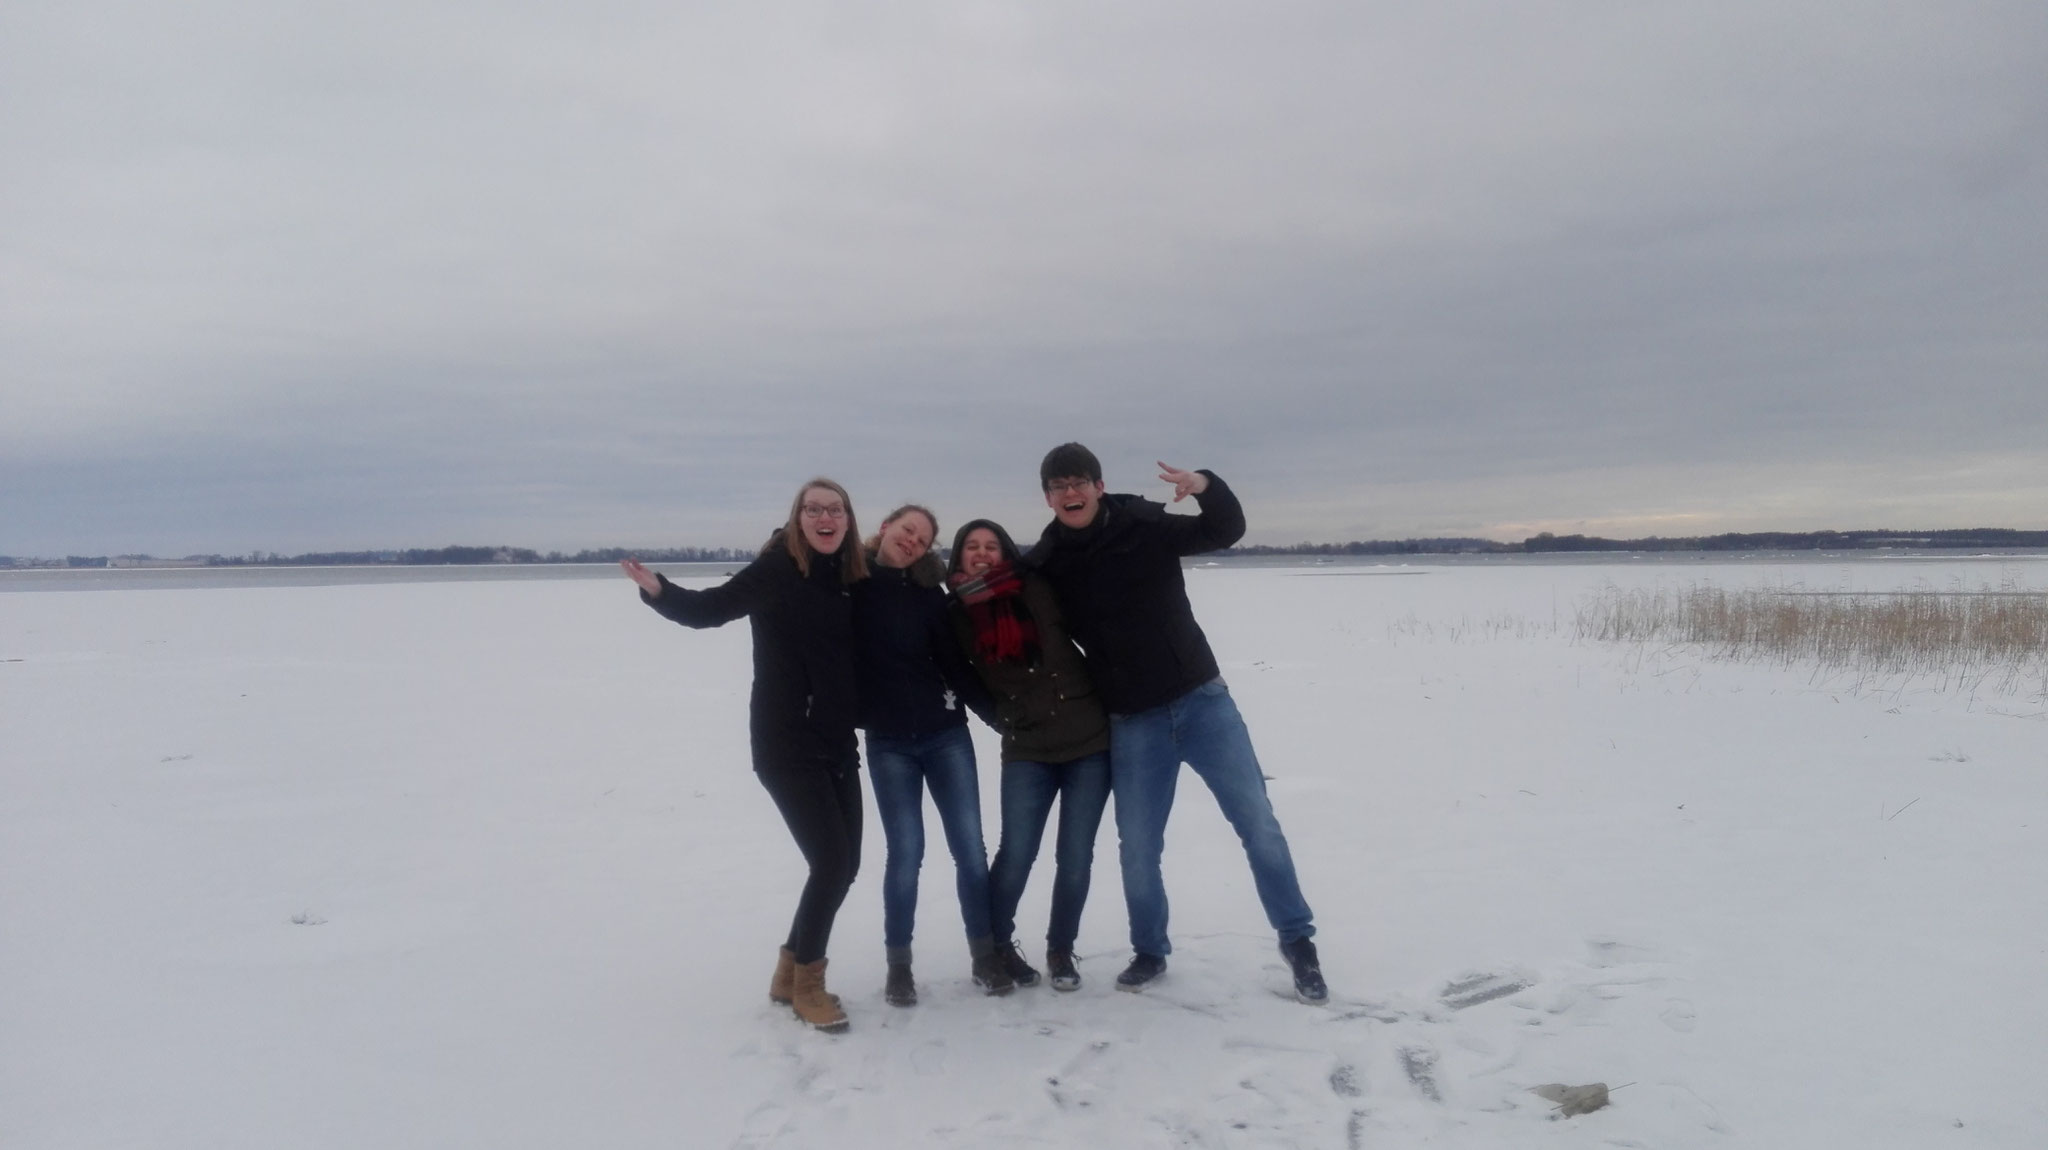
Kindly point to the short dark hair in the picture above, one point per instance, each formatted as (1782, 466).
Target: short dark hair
(1069, 461)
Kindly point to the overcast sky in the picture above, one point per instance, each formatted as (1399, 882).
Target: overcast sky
(347, 275)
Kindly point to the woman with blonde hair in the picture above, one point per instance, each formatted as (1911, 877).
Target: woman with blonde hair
(914, 682)
(797, 597)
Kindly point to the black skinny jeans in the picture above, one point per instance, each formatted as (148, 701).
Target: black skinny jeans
(821, 804)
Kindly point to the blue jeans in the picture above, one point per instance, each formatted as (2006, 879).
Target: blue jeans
(899, 770)
(1203, 729)
(1082, 788)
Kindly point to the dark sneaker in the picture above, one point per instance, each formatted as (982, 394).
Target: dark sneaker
(1308, 971)
(1013, 962)
(992, 975)
(1143, 969)
(901, 989)
(1059, 967)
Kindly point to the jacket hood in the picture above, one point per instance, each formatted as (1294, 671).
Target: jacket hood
(1003, 541)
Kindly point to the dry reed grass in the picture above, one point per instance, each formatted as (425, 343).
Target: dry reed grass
(1995, 639)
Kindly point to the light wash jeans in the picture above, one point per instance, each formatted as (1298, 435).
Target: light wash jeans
(1204, 730)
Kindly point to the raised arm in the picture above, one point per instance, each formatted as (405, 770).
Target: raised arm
(1221, 522)
(711, 607)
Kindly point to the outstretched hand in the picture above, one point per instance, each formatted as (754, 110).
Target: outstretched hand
(638, 573)
(1185, 483)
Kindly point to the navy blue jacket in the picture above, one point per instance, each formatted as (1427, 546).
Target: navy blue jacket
(1119, 582)
(913, 678)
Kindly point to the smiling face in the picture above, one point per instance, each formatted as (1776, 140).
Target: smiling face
(980, 551)
(1073, 500)
(824, 519)
(905, 539)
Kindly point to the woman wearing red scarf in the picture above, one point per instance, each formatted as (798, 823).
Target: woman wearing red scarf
(1055, 739)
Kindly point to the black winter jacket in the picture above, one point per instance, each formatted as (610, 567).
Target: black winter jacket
(914, 681)
(801, 713)
(1119, 582)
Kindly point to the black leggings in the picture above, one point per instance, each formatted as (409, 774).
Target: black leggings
(821, 804)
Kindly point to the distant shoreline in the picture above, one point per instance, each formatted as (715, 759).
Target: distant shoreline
(30, 580)
(1948, 541)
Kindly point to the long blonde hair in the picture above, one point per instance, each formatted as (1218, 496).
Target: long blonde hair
(853, 567)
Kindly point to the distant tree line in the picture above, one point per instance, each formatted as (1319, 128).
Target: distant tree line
(1449, 546)
(410, 557)
(1990, 538)
(1985, 538)
(455, 556)
(1975, 537)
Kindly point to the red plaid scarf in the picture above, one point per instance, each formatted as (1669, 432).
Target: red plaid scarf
(1003, 630)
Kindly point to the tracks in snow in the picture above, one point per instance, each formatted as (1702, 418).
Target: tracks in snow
(1212, 1057)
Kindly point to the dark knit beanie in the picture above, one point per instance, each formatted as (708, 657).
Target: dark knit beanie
(1069, 461)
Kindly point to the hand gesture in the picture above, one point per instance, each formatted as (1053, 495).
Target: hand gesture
(1185, 483)
(648, 580)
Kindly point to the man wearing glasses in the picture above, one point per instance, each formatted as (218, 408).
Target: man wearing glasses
(1114, 562)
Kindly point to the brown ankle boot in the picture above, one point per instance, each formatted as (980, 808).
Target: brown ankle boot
(783, 985)
(811, 1003)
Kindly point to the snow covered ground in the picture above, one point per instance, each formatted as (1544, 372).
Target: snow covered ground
(481, 864)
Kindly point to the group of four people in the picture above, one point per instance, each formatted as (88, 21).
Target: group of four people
(1084, 655)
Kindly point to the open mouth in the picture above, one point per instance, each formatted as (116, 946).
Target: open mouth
(1070, 508)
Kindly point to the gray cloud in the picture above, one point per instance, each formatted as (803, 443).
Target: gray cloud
(364, 276)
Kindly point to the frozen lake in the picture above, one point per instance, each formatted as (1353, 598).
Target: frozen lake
(339, 863)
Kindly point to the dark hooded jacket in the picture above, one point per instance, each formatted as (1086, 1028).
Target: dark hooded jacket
(913, 679)
(1046, 708)
(801, 713)
(1119, 581)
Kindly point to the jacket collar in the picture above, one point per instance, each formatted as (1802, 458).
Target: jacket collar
(1115, 516)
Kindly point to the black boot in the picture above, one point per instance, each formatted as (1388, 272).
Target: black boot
(900, 989)
(990, 975)
(1059, 967)
(1142, 970)
(1012, 959)
(1308, 971)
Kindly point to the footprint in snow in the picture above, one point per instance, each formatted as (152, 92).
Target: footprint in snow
(1602, 952)
(1078, 1084)
(1679, 1015)
(1419, 1064)
(1472, 989)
